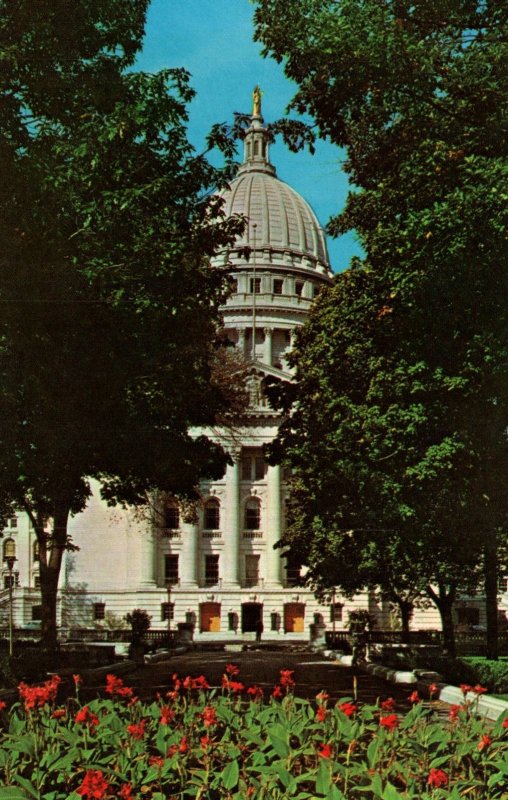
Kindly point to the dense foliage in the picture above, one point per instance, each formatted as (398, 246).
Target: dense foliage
(109, 305)
(227, 742)
(398, 438)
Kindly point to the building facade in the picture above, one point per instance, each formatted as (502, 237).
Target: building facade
(213, 564)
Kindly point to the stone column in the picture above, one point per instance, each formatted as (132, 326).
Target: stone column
(268, 346)
(146, 562)
(273, 525)
(241, 341)
(187, 563)
(229, 570)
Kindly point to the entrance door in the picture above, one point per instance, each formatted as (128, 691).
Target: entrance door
(252, 614)
(294, 616)
(209, 617)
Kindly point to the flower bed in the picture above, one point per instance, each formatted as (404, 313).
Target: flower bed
(231, 743)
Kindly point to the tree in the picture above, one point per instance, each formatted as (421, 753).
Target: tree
(109, 305)
(416, 93)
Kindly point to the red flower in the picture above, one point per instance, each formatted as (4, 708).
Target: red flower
(321, 713)
(115, 687)
(209, 716)
(86, 717)
(232, 686)
(505, 723)
(433, 689)
(388, 704)
(454, 713)
(479, 689)
(137, 731)
(38, 696)
(277, 692)
(232, 670)
(325, 751)
(286, 678)
(255, 692)
(167, 715)
(414, 697)
(437, 778)
(390, 722)
(3, 705)
(201, 683)
(465, 688)
(59, 713)
(125, 792)
(156, 761)
(322, 697)
(184, 745)
(484, 742)
(94, 787)
(78, 680)
(347, 708)
(206, 741)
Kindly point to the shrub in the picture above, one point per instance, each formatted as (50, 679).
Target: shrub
(230, 743)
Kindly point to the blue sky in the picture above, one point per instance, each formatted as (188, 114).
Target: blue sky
(213, 40)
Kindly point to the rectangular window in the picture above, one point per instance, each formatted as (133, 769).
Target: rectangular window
(316, 290)
(293, 568)
(299, 288)
(13, 522)
(99, 610)
(233, 285)
(211, 570)
(278, 286)
(251, 570)
(172, 517)
(9, 581)
(36, 613)
(171, 569)
(37, 581)
(468, 615)
(255, 285)
(253, 465)
(336, 612)
(167, 611)
(502, 584)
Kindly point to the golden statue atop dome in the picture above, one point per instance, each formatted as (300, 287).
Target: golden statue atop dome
(256, 102)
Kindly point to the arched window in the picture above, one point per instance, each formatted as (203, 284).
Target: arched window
(252, 514)
(212, 514)
(35, 550)
(9, 549)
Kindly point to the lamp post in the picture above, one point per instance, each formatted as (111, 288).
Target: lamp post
(10, 558)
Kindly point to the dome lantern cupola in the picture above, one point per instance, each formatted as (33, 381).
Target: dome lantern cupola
(257, 141)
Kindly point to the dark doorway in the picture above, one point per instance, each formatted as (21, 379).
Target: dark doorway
(252, 614)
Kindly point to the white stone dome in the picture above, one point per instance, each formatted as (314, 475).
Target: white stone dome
(280, 225)
(278, 218)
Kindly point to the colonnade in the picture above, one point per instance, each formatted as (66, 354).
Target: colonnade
(229, 543)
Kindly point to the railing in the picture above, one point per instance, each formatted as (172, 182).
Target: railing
(474, 643)
(211, 534)
(170, 533)
(252, 534)
(250, 583)
(385, 637)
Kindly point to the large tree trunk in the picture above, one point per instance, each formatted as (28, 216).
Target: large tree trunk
(490, 569)
(50, 561)
(444, 602)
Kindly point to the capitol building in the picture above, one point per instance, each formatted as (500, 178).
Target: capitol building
(215, 565)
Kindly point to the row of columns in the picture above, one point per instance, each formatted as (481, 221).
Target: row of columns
(232, 532)
(267, 344)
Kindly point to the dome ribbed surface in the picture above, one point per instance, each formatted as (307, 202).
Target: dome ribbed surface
(284, 221)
